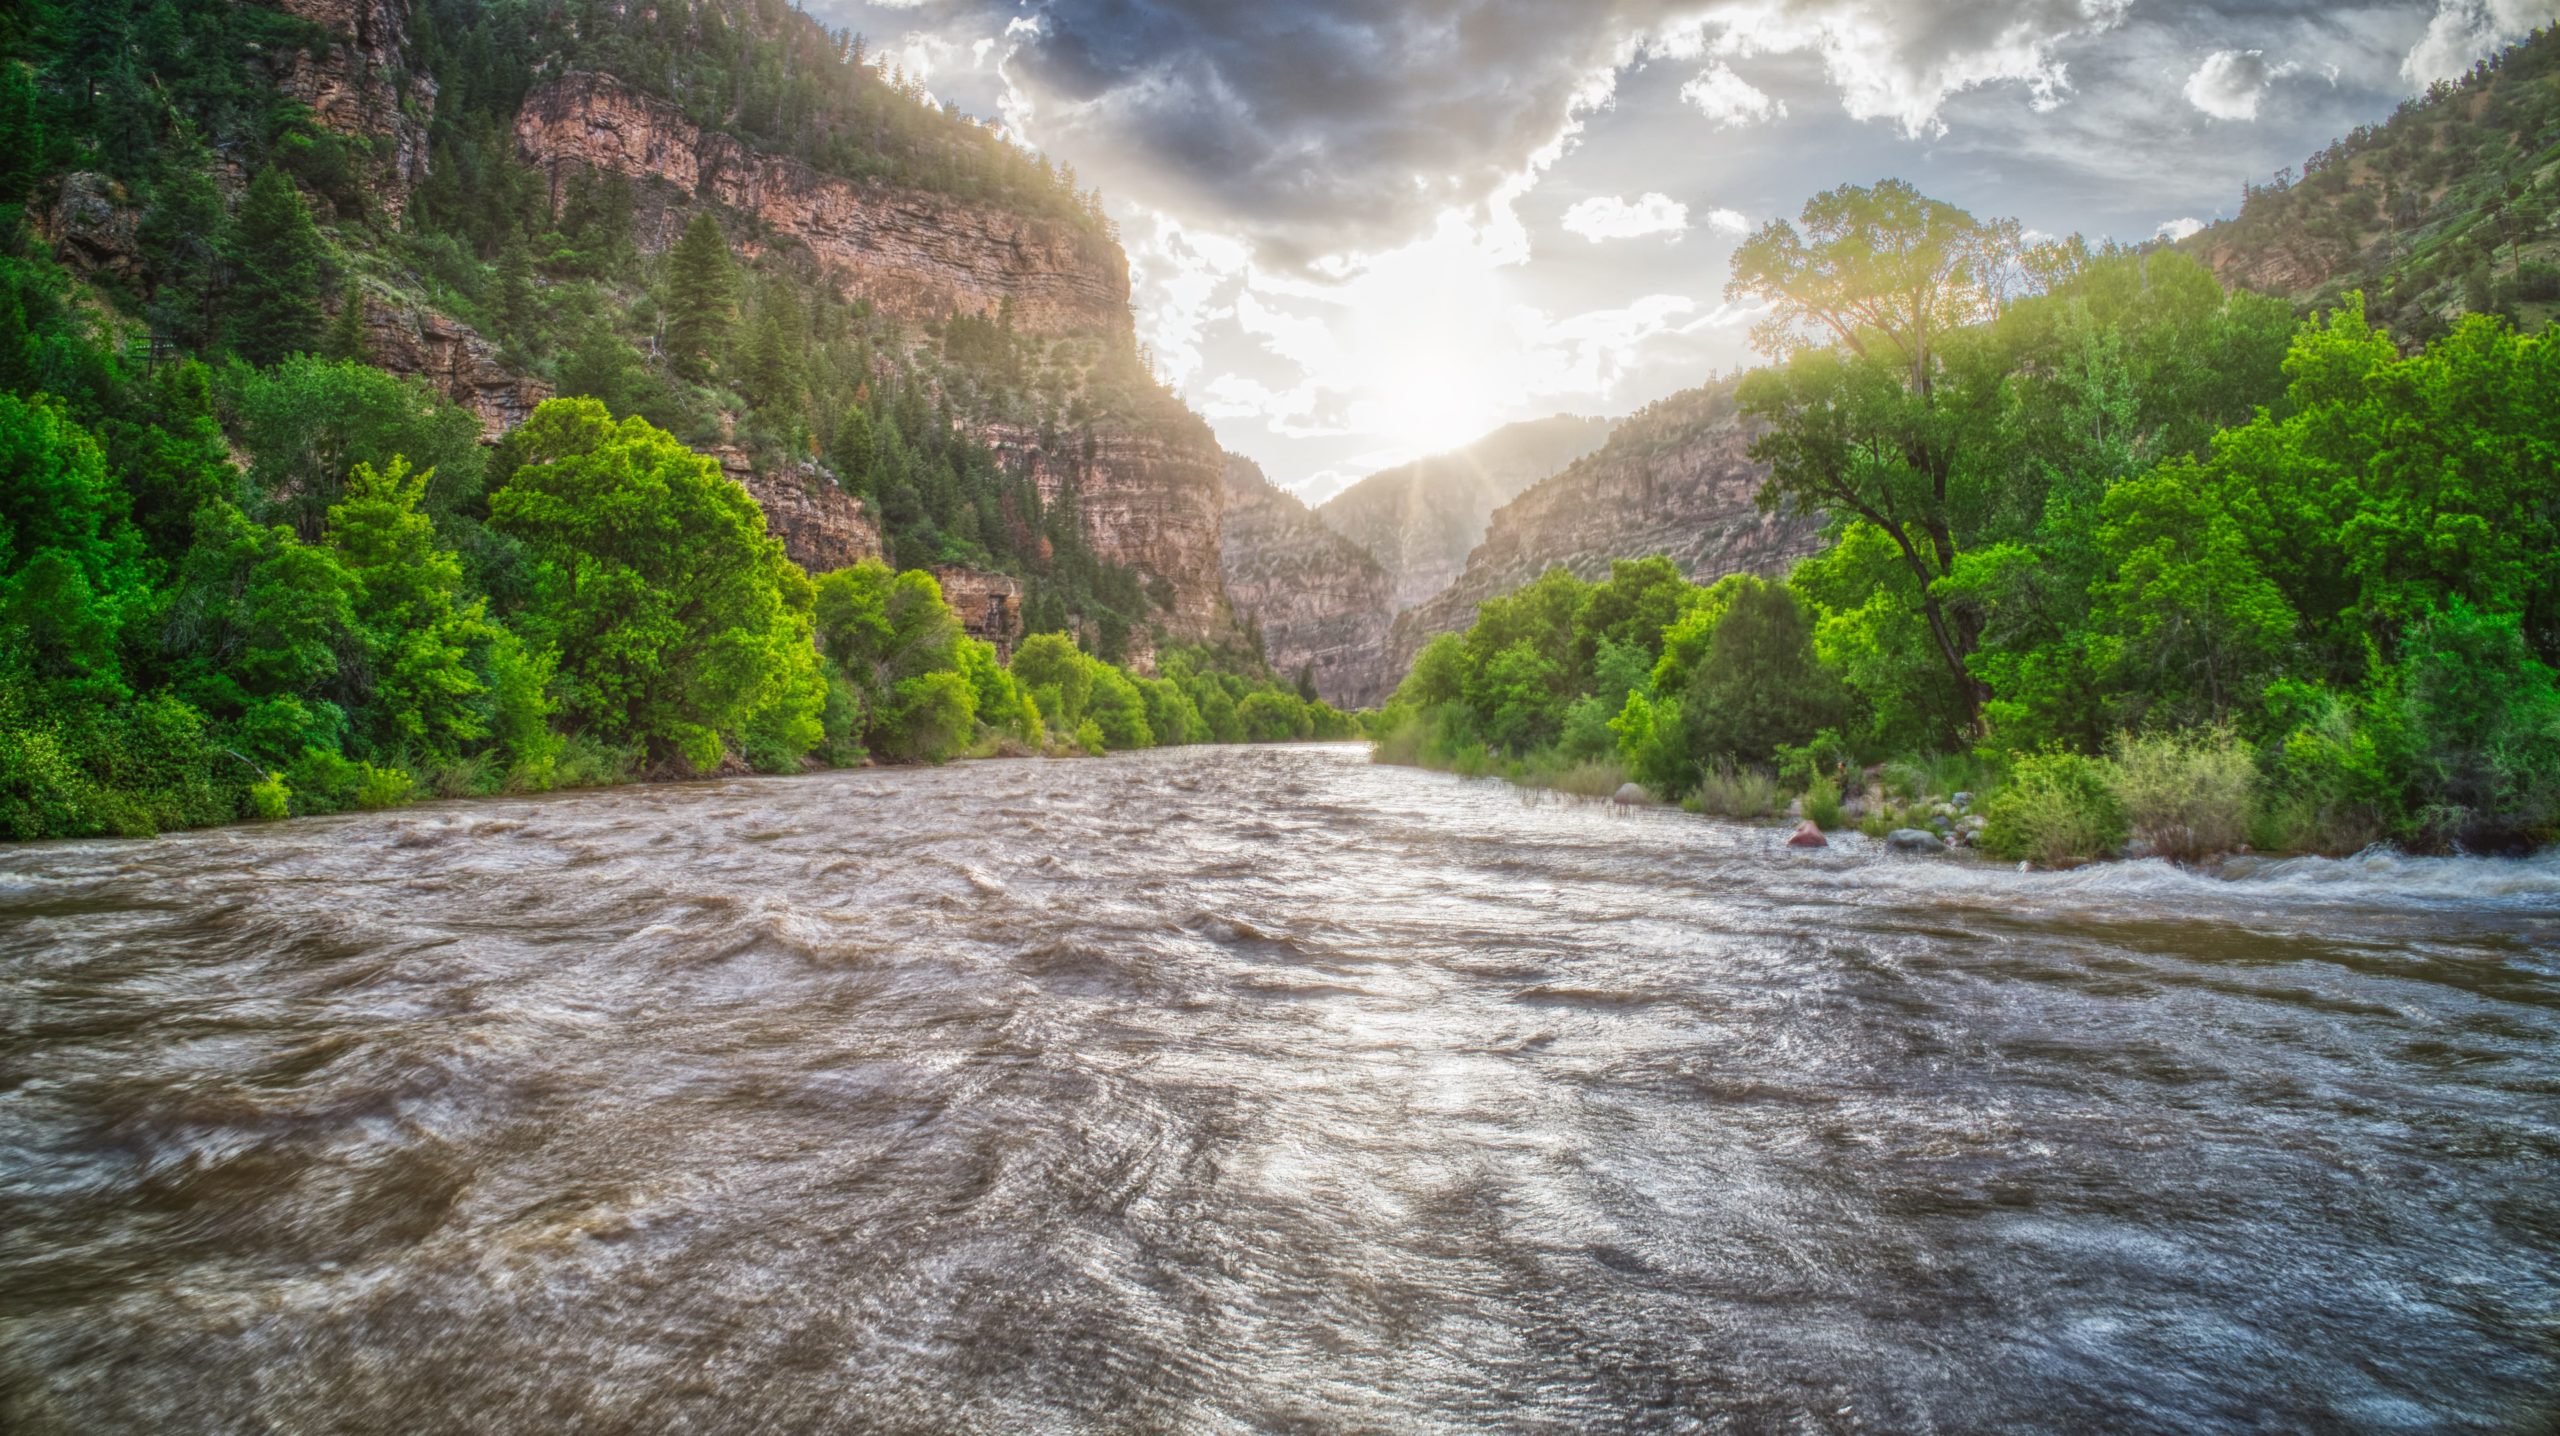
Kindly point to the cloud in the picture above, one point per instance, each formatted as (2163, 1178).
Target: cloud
(1320, 127)
(2177, 229)
(2464, 30)
(1606, 217)
(2230, 83)
(1728, 221)
(1728, 100)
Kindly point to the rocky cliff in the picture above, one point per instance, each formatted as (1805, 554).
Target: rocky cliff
(1673, 479)
(1320, 600)
(1148, 496)
(989, 604)
(452, 358)
(359, 84)
(914, 254)
(1421, 520)
(822, 527)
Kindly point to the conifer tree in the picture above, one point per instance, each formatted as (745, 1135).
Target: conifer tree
(346, 328)
(515, 292)
(279, 266)
(775, 375)
(180, 233)
(701, 297)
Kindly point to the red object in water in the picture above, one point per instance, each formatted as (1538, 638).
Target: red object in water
(1807, 835)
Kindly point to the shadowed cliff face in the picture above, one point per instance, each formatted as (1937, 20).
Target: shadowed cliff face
(1674, 479)
(916, 255)
(453, 359)
(822, 527)
(356, 87)
(1319, 599)
(1149, 497)
(1421, 520)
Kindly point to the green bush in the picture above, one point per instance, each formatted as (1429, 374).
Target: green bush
(1822, 801)
(2188, 795)
(2057, 808)
(271, 798)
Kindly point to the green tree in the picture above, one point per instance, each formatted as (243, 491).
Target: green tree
(1759, 686)
(702, 286)
(420, 634)
(279, 269)
(676, 618)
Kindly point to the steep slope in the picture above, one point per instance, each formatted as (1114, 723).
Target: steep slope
(2445, 208)
(1420, 520)
(932, 277)
(1674, 478)
(1320, 601)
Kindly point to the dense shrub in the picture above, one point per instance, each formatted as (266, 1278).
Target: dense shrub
(2186, 795)
(2057, 808)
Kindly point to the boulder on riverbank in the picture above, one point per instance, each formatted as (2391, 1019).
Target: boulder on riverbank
(1631, 795)
(1807, 835)
(1914, 840)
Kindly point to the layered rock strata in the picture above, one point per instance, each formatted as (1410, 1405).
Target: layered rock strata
(453, 359)
(359, 84)
(1321, 602)
(822, 527)
(1148, 498)
(989, 605)
(914, 254)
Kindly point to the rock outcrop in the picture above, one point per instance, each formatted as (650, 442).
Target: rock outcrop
(1420, 521)
(1673, 479)
(359, 84)
(989, 604)
(822, 527)
(1148, 496)
(913, 253)
(1320, 600)
(90, 225)
(453, 359)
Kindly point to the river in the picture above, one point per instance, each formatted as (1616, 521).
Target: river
(1257, 1089)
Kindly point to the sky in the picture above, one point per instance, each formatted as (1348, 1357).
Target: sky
(1361, 231)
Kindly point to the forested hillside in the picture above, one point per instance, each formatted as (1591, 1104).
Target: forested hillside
(2445, 208)
(287, 524)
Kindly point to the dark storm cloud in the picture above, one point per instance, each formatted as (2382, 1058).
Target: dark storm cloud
(1319, 123)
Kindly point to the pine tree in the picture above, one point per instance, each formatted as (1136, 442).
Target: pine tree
(346, 328)
(701, 295)
(180, 233)
(280, 265)
(515, 292)
(775, 374)
(22, 134)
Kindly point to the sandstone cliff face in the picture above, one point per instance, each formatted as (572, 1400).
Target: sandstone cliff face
(453, 359)
(989, 604)
(1319, 599)
(2289, 270)
(1674, 479)
(915, 254)
(822, 527)
(1420, 521)
(355, 87)
(1149, 498)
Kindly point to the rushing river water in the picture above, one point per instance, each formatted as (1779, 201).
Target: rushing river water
(1256, 1089)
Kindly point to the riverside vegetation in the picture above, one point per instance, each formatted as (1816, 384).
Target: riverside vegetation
(243, 572)
(2123, 554)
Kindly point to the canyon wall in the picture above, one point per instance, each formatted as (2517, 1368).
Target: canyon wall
(360, 85)
(1673, 479)
(452, 358)
(1319, 599)
(1149, 496)
(822, 527)
(914, 254)
(1421, 520)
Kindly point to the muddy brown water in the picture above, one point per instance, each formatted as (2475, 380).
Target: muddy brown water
(1257, 1089)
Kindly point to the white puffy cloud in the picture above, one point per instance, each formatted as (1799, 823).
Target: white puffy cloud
(2464, 30)
(1728, 221)
(1727, 99)
(2176, 229)
(1606, 217)
(2230, 83)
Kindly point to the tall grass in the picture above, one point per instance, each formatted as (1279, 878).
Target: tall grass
(2058, 808)
(2189, 795)
(1732, 792)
